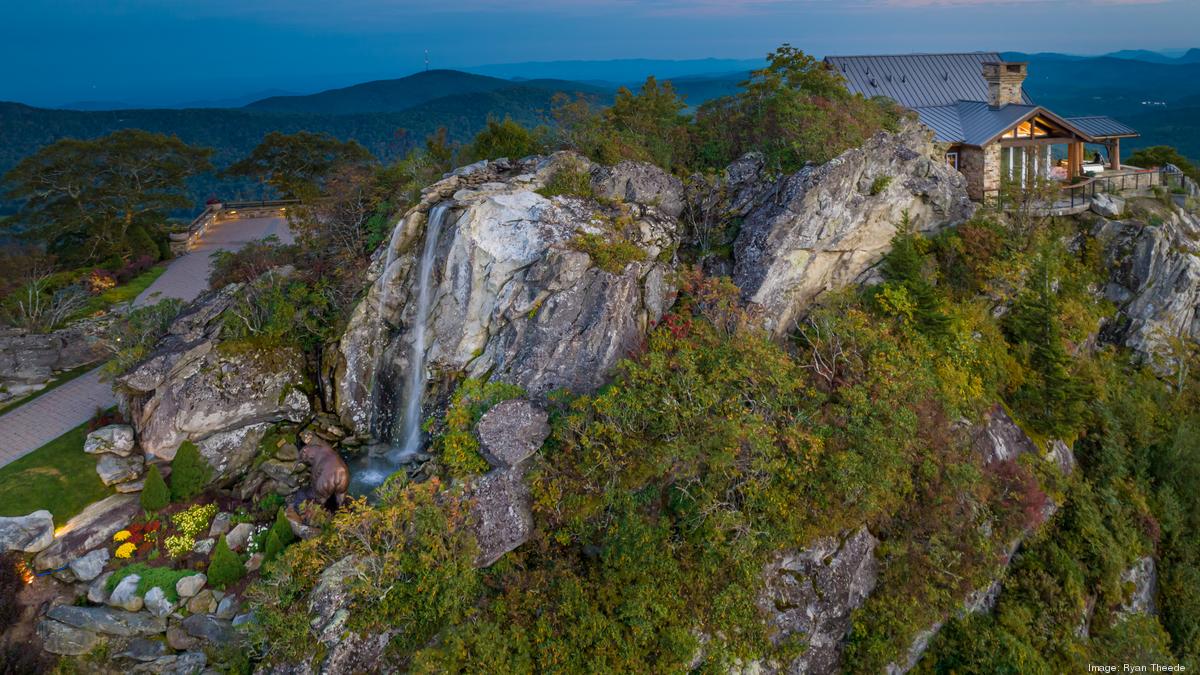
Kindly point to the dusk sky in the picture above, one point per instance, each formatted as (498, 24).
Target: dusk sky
(59, 51)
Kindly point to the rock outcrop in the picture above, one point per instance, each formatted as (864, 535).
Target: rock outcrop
(90, 529)
(826, 226)
(810, 594)
(1154, 263)
(514, 296)
(28, 361)
(193, 388)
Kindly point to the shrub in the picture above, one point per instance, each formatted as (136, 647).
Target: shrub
(880, 184)
(282, 528)
(273, 548)
(225, 567)
(189, 472)
(505, 139)
(155, 493)
(456, 441)
(573, 180)
(609, 253)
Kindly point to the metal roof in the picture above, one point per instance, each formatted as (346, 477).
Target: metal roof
(1099, 126)
(972, 122)
(919, 80)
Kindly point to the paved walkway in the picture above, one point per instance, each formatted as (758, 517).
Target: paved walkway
(56, 412)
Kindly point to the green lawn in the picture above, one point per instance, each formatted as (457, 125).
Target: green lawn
(61, 379)
(124, 292)
(59, 477)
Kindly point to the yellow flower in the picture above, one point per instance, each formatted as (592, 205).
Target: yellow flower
(126, 550)
(122, 535)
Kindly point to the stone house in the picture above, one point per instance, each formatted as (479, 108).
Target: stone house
(978, 109)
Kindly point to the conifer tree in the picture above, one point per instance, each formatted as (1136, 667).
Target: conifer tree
(155, 494)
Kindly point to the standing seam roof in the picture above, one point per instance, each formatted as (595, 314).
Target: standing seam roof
(919, 80)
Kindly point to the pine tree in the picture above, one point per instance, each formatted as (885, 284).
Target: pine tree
(225, 567)
(273, 547)
(155, 494)
(189, 472)
(282, 528)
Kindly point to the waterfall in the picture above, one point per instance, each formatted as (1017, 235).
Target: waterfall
(399, 426)
(407, 442)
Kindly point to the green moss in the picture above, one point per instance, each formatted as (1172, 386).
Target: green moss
(880, 184)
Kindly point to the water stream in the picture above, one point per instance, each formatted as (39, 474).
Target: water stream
(402, 427)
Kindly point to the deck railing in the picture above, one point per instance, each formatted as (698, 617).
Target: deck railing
(1077, 195)
(217, 211)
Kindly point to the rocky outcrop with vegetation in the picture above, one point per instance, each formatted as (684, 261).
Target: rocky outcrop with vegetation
(827, 225)
(547, 272)
(219, 394)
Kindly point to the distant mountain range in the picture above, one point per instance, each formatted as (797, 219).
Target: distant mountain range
(1158, 94)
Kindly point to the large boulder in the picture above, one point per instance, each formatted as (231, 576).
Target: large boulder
(108, 620)
(514, 296)
(827, 226)
(28, 534)
(116, 439)
(114, 469)
(191, 388)
(502, 513)
(89, 566)
(511, 431)
(810, 593)
(90, 529)
(59, 638)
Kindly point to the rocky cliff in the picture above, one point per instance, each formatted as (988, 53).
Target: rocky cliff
(542, 292)
(194, 387)
(1153, 257)
(826, 226)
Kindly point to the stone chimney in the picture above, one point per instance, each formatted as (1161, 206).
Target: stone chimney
(1004, 82)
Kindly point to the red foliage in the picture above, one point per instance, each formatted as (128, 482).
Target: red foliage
(1020, 492)
(135, 267)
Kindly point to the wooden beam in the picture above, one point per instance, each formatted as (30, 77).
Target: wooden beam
(1114, 154)
(1006, 142)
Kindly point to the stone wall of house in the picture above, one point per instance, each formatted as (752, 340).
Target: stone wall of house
(981, 166)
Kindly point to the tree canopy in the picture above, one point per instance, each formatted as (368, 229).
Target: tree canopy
(298, 164)
(90, 200)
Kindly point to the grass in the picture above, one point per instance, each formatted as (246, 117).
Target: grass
(59, 477)
(62, 378)
(149, 577)
(123, 293)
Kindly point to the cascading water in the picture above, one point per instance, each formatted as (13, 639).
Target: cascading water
(402, 433)
(408, 441)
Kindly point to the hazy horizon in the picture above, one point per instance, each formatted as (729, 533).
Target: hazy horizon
(152, 51)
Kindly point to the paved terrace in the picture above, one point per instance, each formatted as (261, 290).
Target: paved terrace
(56, 412)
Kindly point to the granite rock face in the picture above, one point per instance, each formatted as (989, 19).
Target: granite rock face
(223, 400)
(1154, 263)
(513, 296)
(810, 594)
(827, 226)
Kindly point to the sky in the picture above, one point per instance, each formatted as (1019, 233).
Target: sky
(169, 51)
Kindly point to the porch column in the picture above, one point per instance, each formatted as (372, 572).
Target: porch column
(1114, 154)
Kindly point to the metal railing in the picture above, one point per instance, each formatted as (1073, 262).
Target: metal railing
(214, 212)
(1075, 195)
